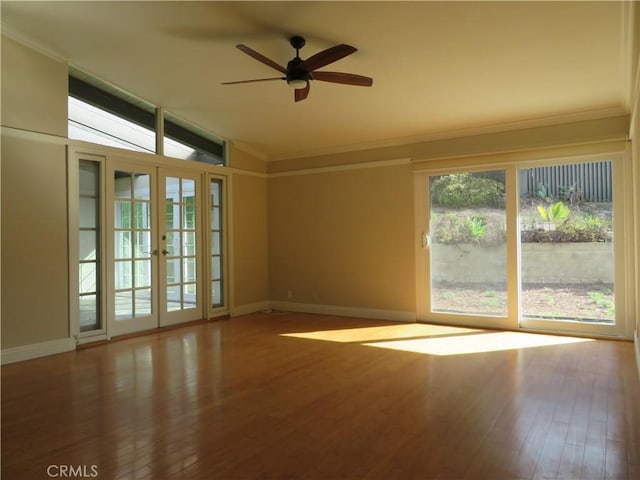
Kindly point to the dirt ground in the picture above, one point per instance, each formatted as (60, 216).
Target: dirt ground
(583, 302)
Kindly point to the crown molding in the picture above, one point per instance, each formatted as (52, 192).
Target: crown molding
(339, 168)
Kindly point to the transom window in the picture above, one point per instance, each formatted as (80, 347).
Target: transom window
(101, 117)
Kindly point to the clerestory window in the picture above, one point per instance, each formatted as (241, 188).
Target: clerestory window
(105, 118)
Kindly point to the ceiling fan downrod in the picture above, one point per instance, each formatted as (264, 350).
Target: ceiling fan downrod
(297, 42)
(297, 74)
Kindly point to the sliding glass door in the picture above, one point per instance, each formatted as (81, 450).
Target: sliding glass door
(535, 245)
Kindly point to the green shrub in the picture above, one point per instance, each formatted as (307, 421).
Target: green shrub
(477, 227)
(453, 228)
(449, 229)
(590, 228)
(462, 190)
(555, 214)
(541, 191)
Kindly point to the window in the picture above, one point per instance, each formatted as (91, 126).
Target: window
(89, 246)
(183, 142)
(98, 116)
(92, 124)
(217, 292)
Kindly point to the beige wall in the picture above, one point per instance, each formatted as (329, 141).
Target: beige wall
(243, 160)
(249, 239)
(635, 204)
(248, 197)
(34, 199)
(636, 169)
(634, 134)
(343, 238)
(34, 243)
(636, 157)
(34, 90)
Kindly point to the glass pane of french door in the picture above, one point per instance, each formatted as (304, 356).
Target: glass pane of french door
(566, 245)
(133, 263)
(467, 244)
(180, 266)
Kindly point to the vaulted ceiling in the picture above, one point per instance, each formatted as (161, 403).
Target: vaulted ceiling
(438, 67)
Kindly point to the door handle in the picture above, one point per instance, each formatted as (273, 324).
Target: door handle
(426, 240)
(165, 251)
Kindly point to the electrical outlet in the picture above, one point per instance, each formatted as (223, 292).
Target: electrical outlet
(289, 294)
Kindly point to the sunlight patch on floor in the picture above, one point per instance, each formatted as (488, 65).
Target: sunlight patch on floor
(476, 343)
(371, 334)
(437, 339)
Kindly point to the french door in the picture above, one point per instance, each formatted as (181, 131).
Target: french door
(154, 237)
(180, 289)
(537, 246)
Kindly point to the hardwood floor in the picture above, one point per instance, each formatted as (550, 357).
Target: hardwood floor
(283, 396)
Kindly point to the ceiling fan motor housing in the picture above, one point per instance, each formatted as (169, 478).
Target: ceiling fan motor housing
(297, 71)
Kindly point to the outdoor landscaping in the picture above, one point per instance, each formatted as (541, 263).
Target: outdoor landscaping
(579, 302)
(565, 250)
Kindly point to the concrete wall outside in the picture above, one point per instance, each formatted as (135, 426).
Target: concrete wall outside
(541, 263)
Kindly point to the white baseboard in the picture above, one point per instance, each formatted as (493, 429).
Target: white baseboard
(249, 308)
(373, 313)
(36, 350)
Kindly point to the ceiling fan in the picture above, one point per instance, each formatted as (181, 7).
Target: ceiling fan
(299, 72)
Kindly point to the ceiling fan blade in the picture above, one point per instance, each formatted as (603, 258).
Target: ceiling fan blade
(328, 56)
(252, 81)
(301, 93)
(261, 58)
(345, 78)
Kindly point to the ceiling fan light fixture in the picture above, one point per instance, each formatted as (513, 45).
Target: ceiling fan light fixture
(297, 83)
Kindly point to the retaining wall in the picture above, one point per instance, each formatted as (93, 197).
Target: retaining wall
(541, 263)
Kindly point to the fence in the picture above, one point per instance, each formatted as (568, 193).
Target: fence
(588, 182)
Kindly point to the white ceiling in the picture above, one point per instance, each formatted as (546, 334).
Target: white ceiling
(438, 67)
